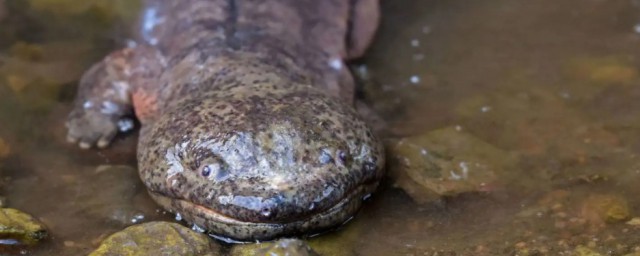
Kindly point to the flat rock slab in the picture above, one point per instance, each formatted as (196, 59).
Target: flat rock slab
(446, 162)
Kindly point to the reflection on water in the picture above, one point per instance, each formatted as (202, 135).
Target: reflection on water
(554, 82)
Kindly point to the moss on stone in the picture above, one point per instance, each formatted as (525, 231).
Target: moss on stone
(21, 227)
(157, 238)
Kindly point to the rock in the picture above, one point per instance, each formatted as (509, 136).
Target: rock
(522, 116)
(446, 162)
(634, 221)
(582, 250)
(36, 88)
(282, 247)
(17, 227)
(605, 209)
(26, 51)
(157, 238)
(603, 71)
(16, 83)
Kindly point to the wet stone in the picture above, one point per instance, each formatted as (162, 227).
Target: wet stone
(157, 238)
(19, 228)
(605, 70)
(446, 162)
(539, 124)
(26, 51)
(634, 222)
(16, 83)
(282, 247)
(605, 208)
(582, 250)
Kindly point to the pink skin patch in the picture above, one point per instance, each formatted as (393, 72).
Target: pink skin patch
(145, 104)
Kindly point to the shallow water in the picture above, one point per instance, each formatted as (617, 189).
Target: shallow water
(555, 82)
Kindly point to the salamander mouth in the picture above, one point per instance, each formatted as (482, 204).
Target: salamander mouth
(230, 229)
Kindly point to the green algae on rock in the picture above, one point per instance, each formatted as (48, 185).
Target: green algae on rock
(582, 250)
(282, 247)
(157, 238)
(21, 228)
(446, 162)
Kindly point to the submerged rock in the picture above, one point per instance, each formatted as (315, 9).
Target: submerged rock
(582, 250)
(634, 221)
(157, 238)
(17, 227)
(604, 71)
(446, 162)
(26, 51)
(282, 247)
(605, 209)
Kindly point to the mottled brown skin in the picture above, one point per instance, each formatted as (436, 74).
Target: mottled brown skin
(248, 122)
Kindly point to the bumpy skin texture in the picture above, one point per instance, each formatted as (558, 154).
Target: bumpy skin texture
(248, 122)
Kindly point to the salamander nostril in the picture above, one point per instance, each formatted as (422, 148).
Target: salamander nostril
(206, 171)
(265, 212)
(325, 157)
(369, 166)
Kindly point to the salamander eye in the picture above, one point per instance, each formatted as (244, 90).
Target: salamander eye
(343, 156)
(206, 171)
(369, 166)
(215, 171)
